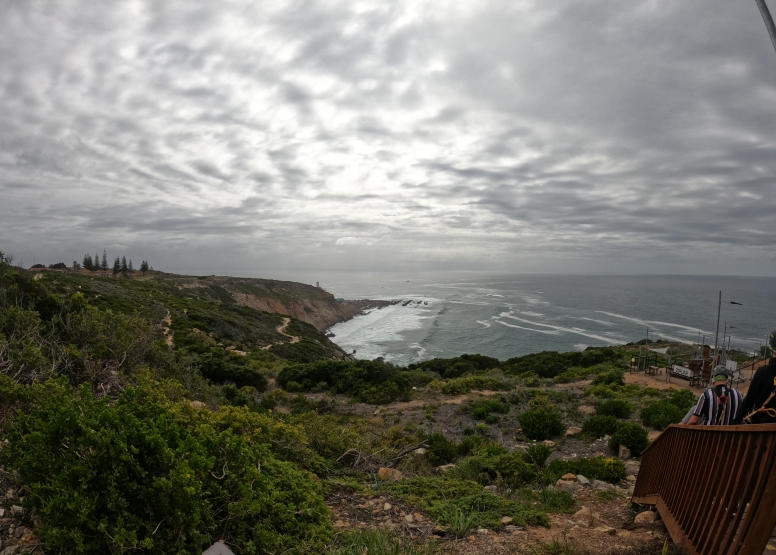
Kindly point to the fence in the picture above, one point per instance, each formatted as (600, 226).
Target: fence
(714, 486)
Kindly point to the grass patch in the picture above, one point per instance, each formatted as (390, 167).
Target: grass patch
(443, 497)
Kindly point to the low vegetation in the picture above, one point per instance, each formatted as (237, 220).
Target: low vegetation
(156, 414)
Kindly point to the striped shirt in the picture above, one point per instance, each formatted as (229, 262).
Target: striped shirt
(712, 412)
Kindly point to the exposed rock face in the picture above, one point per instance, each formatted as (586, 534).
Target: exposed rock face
(309, 304)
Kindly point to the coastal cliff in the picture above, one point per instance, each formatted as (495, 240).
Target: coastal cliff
(304, 302)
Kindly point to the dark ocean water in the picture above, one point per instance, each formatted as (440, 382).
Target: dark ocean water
(505, 316)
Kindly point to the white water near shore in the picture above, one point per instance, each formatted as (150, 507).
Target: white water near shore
(506, 316)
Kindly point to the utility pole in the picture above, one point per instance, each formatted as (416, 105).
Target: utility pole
(716, 337)
(768, 20)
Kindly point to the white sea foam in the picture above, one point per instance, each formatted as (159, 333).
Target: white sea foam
(493, 295)
(653, 322)
(486, 324)
(578, 331)
(548, 332)
(602, 322)
(530, 313)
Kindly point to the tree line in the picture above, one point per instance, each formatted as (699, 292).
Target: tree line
(120, 265)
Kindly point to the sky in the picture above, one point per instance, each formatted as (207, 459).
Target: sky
(253, 138)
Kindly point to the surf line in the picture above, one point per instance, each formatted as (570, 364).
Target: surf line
(558, 328)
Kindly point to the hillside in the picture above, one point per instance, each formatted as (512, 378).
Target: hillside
(204, 312)
(250, 427)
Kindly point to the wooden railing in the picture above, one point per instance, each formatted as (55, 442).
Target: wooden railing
(714, 486)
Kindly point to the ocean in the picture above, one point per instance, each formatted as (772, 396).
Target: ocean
(505, 316)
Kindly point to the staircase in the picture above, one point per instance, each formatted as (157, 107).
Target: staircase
(714, 487)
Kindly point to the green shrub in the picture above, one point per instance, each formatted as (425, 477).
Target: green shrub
(484, 407)
(668, 411)
(440, 450)
(377, 542)
(631, 435)
(107, 478)
(549, 364)
(615, 376)
(493, 464)
(542, 421)
(366, 380)
(600, 426)
(600, 468)
(443, 497)
(619, 408)
(538, 454)
(459, 386)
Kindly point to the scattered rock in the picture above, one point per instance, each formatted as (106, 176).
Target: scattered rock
(506, 520)
(419, 451)
(624, 452)
(569, 476)
(631, 478)
(483, 531)
(586, 409)
(390, 474)
(218, 548)
(198, 405)
(16, 510)
(582, 481)
(606, 530)
(583, 513)
(549, 443)
(340, 525)
(10, 550)
(513, 528)
(491, 489)
(573, 431)
(444, 468)
(409, 519)
(387, 507)
(645, 517)
(602, 486)
(439, 531)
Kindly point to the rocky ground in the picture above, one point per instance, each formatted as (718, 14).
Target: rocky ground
(605, 522)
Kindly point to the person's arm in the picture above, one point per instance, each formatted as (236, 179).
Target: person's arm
(694, 420)
(754, 391)
(697, 416)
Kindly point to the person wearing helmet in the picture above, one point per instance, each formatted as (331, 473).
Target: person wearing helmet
(759, 406)
(720, 404)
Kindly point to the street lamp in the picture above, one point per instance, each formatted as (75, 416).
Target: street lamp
(716, 337)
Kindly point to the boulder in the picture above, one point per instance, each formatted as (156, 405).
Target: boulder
(573, 431)
(624, 453)
(549, 443)
(199, 405)
(569, 476)
(645, 517)
(602, 486)
(218, 548)
(506, 520)
(631, 478)
(390, 474)
(419, 451)
(582, 481)
(606, 530)
(491, 489)
(583, 514)
(444, 468)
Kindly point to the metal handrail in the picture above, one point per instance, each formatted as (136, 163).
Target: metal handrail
(714, 486)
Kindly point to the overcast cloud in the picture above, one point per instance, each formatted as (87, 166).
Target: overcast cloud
(239, 137)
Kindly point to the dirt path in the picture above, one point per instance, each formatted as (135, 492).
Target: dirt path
(166, 329)
(282, 330)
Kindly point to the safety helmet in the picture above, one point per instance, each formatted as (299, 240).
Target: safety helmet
(721, 371)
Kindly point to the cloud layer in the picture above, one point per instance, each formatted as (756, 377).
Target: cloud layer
(526, 136)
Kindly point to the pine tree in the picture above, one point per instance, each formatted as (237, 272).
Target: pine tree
(105, 260)
(130, 267)
(87, 261)
(144, 267)
(116, 266)
(124, 265)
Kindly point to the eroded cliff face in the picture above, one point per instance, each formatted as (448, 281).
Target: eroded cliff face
(321, 313)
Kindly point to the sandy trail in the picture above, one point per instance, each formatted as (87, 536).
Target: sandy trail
(166, 329)
(282, 330)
